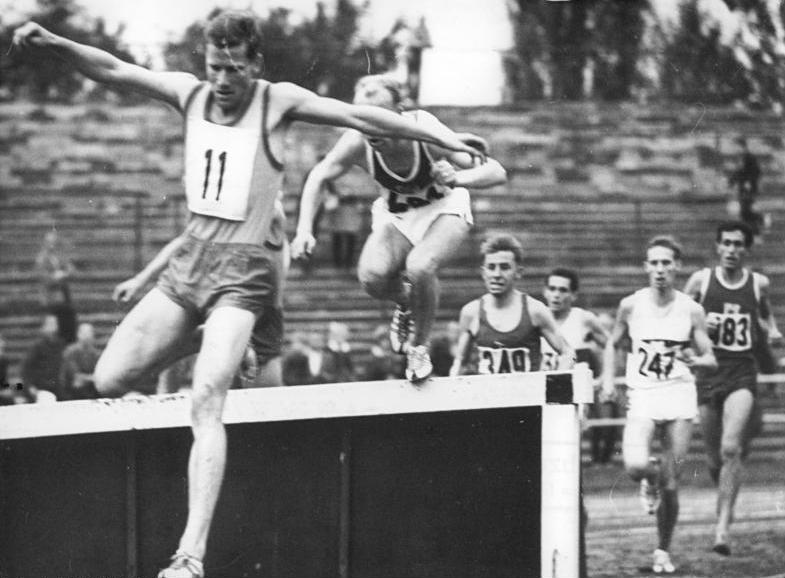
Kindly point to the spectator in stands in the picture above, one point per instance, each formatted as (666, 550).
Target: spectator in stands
(384, 363)
(79, 359)
(296, 362)
(745, 177)
(54, 269)
(604, 439)
(740, 320)
(41, 366)
(337, 363)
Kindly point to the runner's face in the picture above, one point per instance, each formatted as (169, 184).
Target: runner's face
(500, 271)
(558, 293)
(231, 73)
(731, 249)
(661, 266)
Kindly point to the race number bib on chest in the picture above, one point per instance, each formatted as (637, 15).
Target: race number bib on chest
(219, 165)
(503, 360)
(402, 198)
(734, 331)
(657, 359)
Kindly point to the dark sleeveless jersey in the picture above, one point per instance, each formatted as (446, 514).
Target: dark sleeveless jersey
(514, 351)
(415, 189)
(736, 308)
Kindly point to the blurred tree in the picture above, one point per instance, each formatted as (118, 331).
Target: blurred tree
(47, 78)
(321, 54)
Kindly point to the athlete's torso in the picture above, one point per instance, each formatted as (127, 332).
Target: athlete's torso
(514, 351)
(658, 335)
(232, 179)
(577, 335)
(410, 189)
(735, 307)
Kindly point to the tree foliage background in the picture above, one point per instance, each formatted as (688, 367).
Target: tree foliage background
(712, 52)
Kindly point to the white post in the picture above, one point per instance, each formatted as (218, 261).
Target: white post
(560, 513)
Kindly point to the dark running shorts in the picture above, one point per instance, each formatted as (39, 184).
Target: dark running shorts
(731, 375)
(202, 276)
(267, 336)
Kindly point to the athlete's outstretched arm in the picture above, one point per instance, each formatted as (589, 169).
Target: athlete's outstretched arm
(765, 309)
(100, 66)
(543, 319)
(346, 152)
(307, 106)
(466, 322)
(131, 288)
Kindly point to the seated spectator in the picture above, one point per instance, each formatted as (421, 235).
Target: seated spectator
(41, 366)
(79, 359)
(384, 363)
(337, 364)
(296, 363)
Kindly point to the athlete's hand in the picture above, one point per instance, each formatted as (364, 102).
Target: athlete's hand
(686, 356)
(475, 141)
(712, 322)
(128, 290)
(469, 143)
(31, 34)
(443, 173)
(775, 337)
(302, 245)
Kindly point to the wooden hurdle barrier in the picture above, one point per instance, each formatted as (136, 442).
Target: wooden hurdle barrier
(467, 476)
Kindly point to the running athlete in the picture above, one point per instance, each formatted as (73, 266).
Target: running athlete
(736, 300)
(419, 221)
(505, 326)
(667, 333)
(222, 275)
(581, 328)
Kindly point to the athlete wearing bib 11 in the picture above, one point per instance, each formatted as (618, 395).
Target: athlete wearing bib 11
(420, 219)
(503, 328)
(737, 304)
(222, 274)
(668, 340)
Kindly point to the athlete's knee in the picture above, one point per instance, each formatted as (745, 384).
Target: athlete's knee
(373, 281)
(109, 381)
(731, 450)
(421, 266)
(207, 402)
(636, 468)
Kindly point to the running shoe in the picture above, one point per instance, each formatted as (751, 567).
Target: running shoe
(400, 328)
(650, 496)
(662, 563)
(418, 363)
(183, 565)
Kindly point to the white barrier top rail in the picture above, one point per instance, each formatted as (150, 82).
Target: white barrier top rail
(301, 403)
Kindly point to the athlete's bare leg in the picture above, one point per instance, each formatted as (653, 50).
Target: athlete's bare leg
(711, 430)
(381, 264)
(675, 445)
(636, 448)
(441, 242)
(736, 413)
(226, 334)
(144, 342)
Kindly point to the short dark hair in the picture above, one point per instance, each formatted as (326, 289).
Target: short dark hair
(668, 242)
(503, 242)
(728, 226)
(232, 28)
(569, 274)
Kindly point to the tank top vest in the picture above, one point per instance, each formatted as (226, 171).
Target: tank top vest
(232, 180)
(573, 329)
(515, 351)
(657, 335)
(736, 309)
(417, 188)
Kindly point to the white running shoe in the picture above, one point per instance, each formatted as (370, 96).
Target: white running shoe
(400, 329)
(183, 565)
(418, 363)
(662, 563)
